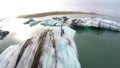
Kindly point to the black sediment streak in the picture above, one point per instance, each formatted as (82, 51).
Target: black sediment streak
(6, 65)
(54, 46)
(55, 52)
(22, 51)
(38, 53)
(69, 42)
(62, 31)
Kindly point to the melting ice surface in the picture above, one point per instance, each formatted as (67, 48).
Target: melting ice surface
(49, 47)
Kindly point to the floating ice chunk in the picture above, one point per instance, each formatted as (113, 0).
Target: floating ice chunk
(97, 23)
(51, 22)
(32, 22)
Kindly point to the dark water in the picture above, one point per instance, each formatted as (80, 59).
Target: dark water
(98, 48)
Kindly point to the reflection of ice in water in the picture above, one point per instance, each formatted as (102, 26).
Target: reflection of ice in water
(47, 49)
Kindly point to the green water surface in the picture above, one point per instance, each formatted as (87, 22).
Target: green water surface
(98, 48)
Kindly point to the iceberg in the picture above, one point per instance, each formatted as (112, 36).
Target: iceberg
(32, 22)
(81, 22)
(96, 23)
(51, 22)
(49, 47)
(109, 24)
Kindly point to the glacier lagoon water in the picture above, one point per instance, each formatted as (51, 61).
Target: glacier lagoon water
(98, 48)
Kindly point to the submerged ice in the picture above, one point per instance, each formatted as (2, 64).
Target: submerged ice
(47, 48)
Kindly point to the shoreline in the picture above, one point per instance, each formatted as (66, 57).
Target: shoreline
(36, 15)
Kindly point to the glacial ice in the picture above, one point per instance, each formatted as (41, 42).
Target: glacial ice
(97, 23)
(51, 22)
(49, 47)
